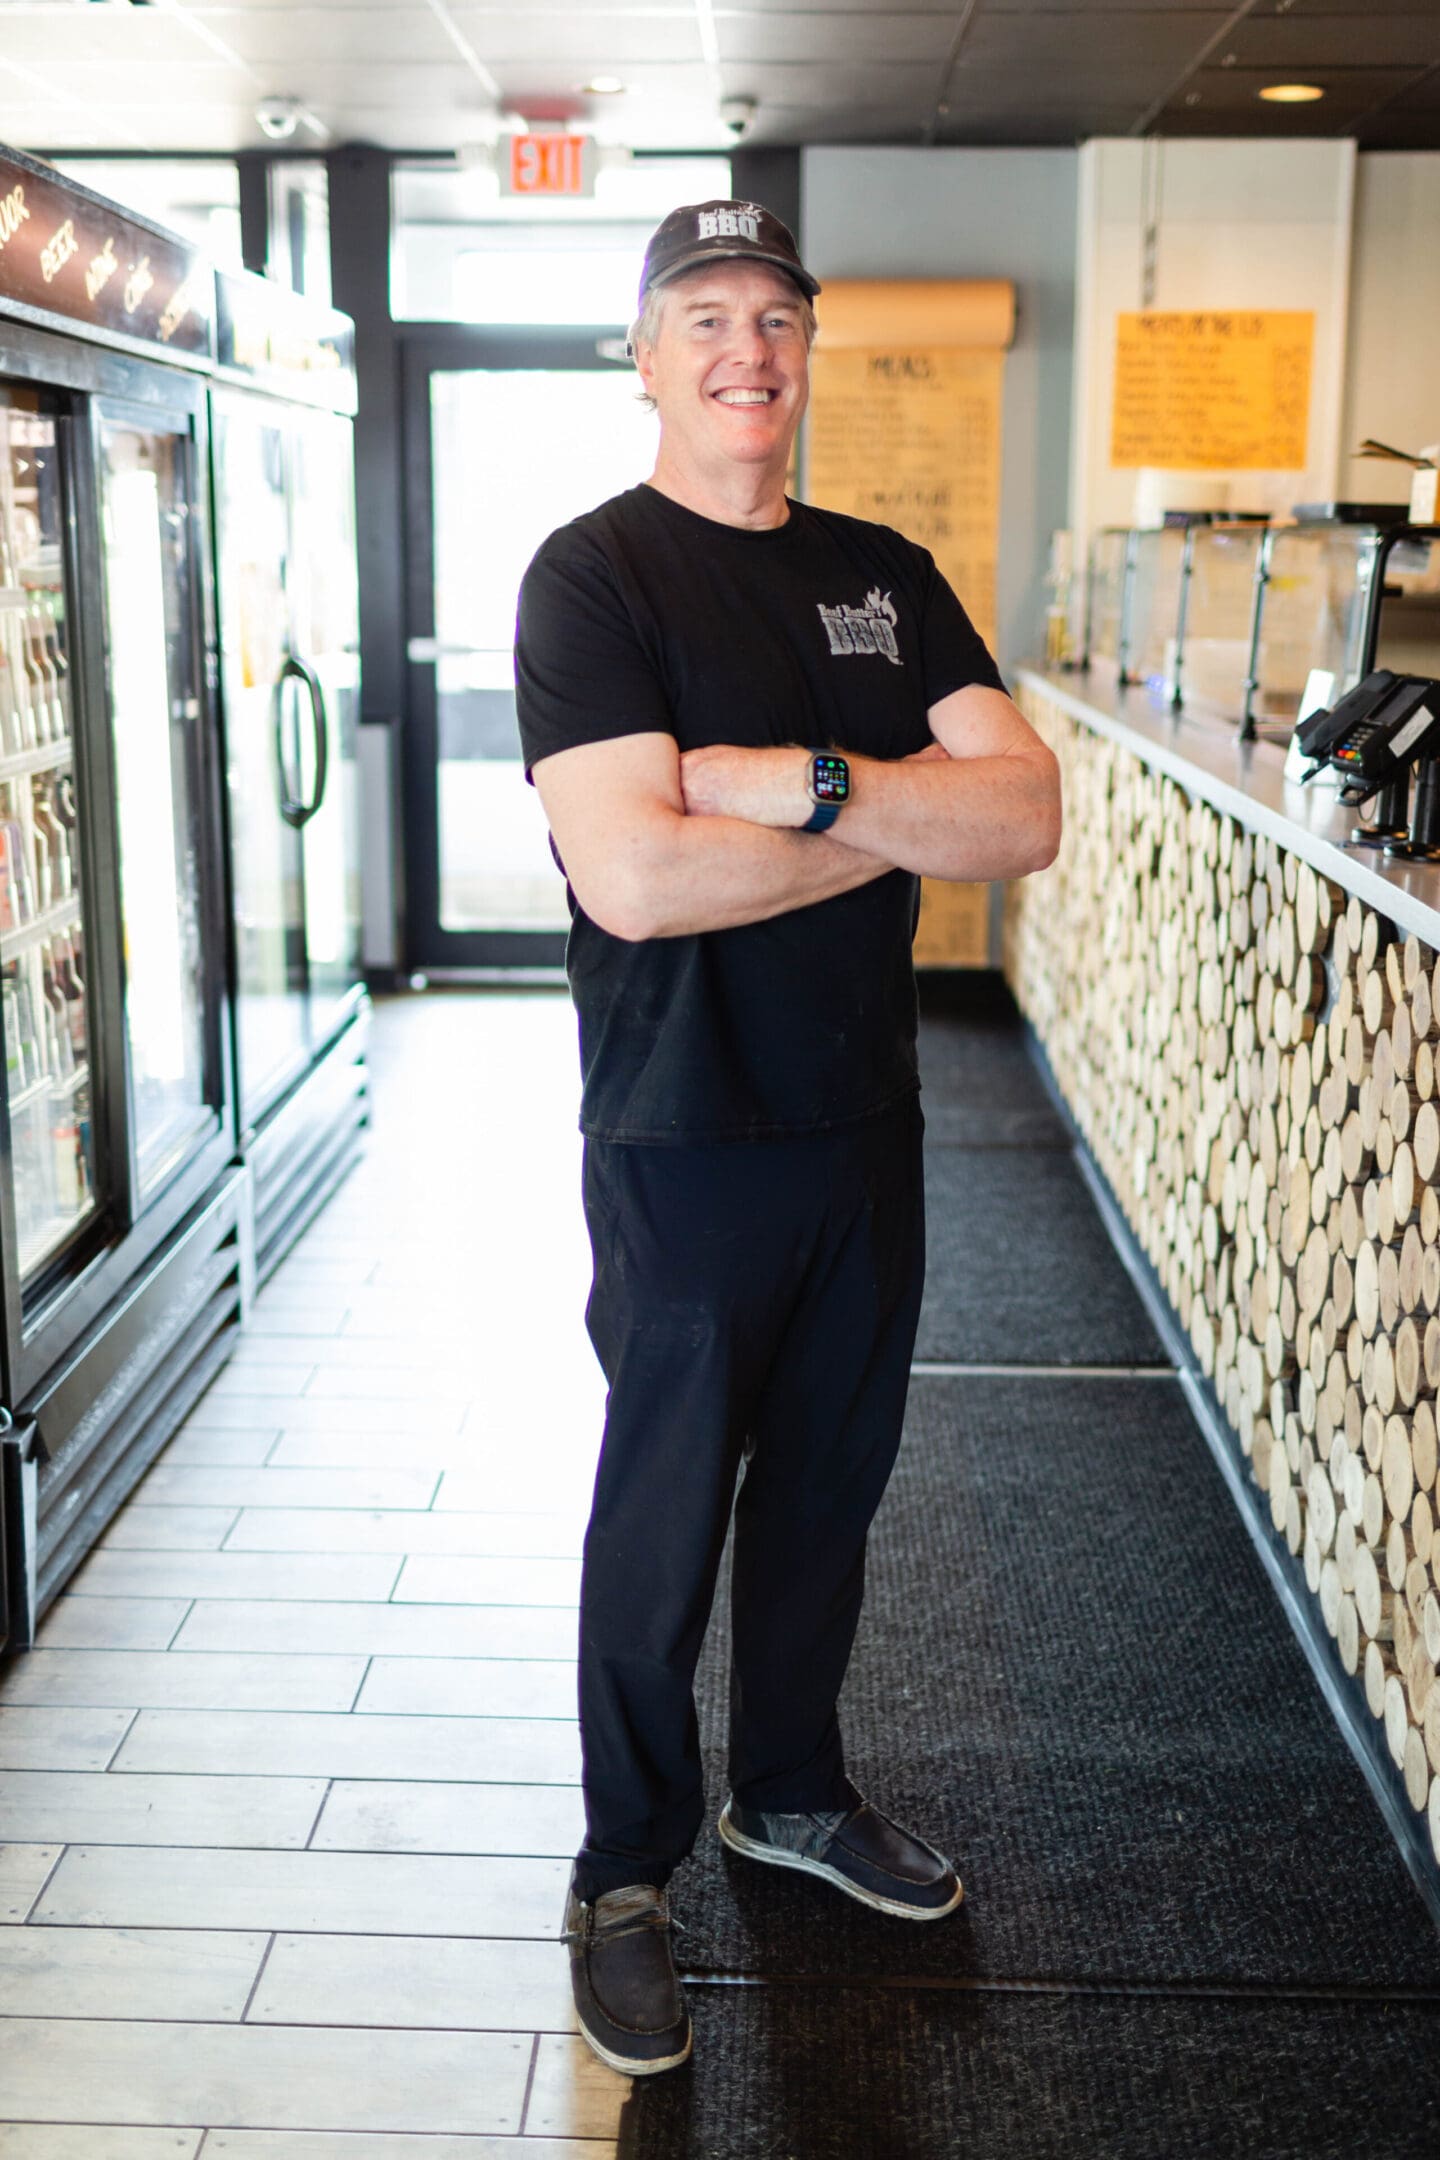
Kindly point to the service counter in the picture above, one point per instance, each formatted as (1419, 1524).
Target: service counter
(1242, 1012)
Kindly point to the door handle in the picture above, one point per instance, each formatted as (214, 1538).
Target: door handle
(295, 811)
(425, 651)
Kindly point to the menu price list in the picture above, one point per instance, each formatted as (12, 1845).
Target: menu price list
(1212, 390)
(911, 438)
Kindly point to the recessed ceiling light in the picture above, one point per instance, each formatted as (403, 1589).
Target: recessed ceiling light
(1292, 93)
(603, 86)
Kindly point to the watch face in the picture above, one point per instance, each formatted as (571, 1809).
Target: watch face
(830, 780)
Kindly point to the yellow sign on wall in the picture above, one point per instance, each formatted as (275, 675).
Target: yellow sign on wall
(910, 436)
(1212, 390)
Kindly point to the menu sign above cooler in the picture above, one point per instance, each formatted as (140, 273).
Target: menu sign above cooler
(69, 254)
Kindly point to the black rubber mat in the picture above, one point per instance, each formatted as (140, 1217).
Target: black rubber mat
(1020, 1269)
(1072, 1675)
(841, 2074)
(979, 1086)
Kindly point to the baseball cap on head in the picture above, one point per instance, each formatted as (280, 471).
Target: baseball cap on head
(715, 231)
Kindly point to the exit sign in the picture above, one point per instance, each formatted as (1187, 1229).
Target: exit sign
(549, 165)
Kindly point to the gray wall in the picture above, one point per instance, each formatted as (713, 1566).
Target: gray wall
(975, 214)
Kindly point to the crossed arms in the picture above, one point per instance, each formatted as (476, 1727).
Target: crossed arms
(658, 842)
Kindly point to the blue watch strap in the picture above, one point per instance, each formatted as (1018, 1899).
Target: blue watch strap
(824, 814)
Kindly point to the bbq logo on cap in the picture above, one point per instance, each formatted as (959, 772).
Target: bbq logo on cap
(730, 221)
(708, 232)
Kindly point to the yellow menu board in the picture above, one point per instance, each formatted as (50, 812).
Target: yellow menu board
(910, 436)
(1212, 390)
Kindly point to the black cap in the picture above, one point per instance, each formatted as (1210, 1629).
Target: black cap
(714, 231)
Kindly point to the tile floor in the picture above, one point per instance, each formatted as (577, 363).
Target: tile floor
(290, 1780)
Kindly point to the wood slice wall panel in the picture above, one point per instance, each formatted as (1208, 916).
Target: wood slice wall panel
(1251, 1056)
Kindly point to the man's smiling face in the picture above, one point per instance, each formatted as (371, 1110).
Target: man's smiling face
(729, 369)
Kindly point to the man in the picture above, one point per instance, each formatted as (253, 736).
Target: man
(752, 725)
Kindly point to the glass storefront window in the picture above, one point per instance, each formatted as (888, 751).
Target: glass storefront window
(462, 252)
(299, 252)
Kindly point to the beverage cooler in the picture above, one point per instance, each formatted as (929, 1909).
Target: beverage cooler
(283, 460)
(123, 1251)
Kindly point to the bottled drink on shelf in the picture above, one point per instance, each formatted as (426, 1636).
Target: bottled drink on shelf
(12, 727)
(52, 842)
(38, 646)
(69, 968)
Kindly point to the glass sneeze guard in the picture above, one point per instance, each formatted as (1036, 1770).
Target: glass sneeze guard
(1313, 607)
(1219, 605)
(1152, 609)
(1105, 595)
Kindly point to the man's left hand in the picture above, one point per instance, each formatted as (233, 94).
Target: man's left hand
(763, 786)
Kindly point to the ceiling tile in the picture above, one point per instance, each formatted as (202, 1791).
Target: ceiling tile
(1236, 92)
(1285, 44)
(598, 39)
(1100, 8)
(151, 35)
(1363, 8)
(824, 34)
(133, 86)
(1056, 87)
(276, 37)
(1024, 128)
(1422, 96)
(726, 9)
(1170, 39)
(901, 126)
(821, 84)
(548, 77)
(861, 71)
(1396, 130)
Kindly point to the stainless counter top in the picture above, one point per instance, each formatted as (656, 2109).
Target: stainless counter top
(1248, 782)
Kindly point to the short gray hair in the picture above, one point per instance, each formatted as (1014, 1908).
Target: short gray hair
(645, 330)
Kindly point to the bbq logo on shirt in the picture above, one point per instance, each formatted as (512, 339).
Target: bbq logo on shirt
(869, 628)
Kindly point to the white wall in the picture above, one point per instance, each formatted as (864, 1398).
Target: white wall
(975, 214)
(1238, 224)
(1392, 371)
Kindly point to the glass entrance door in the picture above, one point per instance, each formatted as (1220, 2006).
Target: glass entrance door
(527, 435)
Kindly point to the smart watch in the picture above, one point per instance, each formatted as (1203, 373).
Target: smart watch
(828, 785)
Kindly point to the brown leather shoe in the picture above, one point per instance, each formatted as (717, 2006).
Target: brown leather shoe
(627, 1998)
(857, 1849)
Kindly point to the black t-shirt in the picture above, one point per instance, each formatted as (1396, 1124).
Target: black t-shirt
(644, 617)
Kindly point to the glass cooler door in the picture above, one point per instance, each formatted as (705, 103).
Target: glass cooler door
(325, 616)
(43, 908)
(153, 668)
(263, 738)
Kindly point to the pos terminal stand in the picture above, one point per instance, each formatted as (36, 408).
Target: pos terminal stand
(1373, 737)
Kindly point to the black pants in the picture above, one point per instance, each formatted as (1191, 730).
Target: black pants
(755, 1302)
